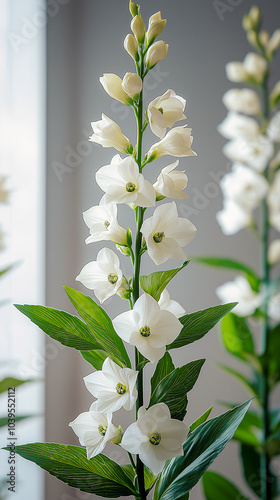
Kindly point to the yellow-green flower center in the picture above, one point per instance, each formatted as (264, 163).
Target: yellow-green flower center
(106, 224)
(120, 388)
(145, 331)
(155, 438)
(130, 187)
(160, 110)
(112, 278)
(158, 237)
(102, 429)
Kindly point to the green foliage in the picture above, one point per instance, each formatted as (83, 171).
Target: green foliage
(173, 388)
(95, 358)
(197, 324)
(163, 368)
(149, 477)
(201, 419)
(272, 358)
(4, 420)
(6, 269)
(155, 283)
(201, 447)
(12, 382)
(216, 486)
(251, 462)
(237, 336)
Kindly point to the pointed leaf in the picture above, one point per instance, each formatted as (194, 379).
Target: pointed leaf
(163, 368)
(149, 477)
(95, 358)
(237, 336)
(201, 447)
(6, 269)
(100, 325)
(155, 283)
(60, 325)
(11, 382)
(99, 475)
(4, 420)
(216, 486)
(201, 419)
(197, 324)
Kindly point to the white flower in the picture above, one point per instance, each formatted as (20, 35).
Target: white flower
(132, 84)
(236, 125)
(240, 291)
(164, 111)
(156, 437)
(233, 217)
(156, 53)
(113, 386)
(274, 307)
(242, 100)
(108, 133)
(148, 327)
(138, 28)
(177, 142)
(171, 182)
(273, 129)
(273, 201)
(166, 233)
(95, 430)
(274, 252)
(253, 68)
(131, 45)
(103, 276)
(4, 193)
(112, 84)
(255, 152)
(166, 304)
(155, 28)
(103, 225)
(244, 186)
(123, 183)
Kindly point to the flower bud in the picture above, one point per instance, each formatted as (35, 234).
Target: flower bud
(274, 252)
(275, 95)
(124, 290)
(138, 28)
(274, 42)
(131, 45)
(247, 23)
(156, 53)
(132, 85)
(112, 84)
(134, 9)
(156, 26)
(255, 16)
(252, 38)
(264, 37)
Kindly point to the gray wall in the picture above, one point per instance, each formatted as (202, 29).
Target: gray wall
(85, 39)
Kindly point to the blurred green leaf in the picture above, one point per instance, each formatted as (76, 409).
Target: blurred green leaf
(95, 358)
(244, 380)
(237, 336)
(155, 283)
(218, 487)
(163, 368)
(4, 420)
(251, 463)
(6, 269)
(201, 419)
(11, 382)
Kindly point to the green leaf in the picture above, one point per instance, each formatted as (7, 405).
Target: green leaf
(216, 486)
(201, 419)
(251, 463)
(59, 325)
(173, 388)
(273, 358)
(95, 358)
(4, 420)
(149, 477)
(201, 447)
(237, 336)
(163, 368)
(249, 385)
(100, 325)
(197, 324)
(155, 283)
(11, 382)
(99, 475)
(231, 264)
(6, 269)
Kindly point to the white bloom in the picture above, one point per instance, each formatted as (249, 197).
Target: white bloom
(123, 183)
(138, 28)
(103, 225)
(108, 133)
(103, 276)
(171, 182)
(274, 307)
(166, 233)
(240, 291)
(4, 193)
(255, 152)
(177, 142)
(155, 28)
(274, 252)
(166, 304)
(233, 217)
(148, 327)
(236, 125)
(156, 53)
(164, 111)
(273, 201)
(131, 45)
(114, 387)
(95, 430)
(273, 129)
(112, 84)
(253, 68)
(242, 100)
(244, 186)
(156, 437)
(132, 84)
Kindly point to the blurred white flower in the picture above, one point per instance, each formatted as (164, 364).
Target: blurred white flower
(148, 327)
(166, 233)
(123, 183)
(156, 437)
(236, 125)
(4, 193)
(239, 290)
(273, 129)
(171, 183)
(255, 152)
(244, 186)
(243, 101)
(164, 111)
(95, 430)
(108, 134)
(131, 45)
(233, 217)
(274, 252)
(132, 84)
(112, 84)
(103, 276)
(138, 28)
(273, 201)
(103, 225)
(155, 28)
(274, 307)
(166, 304)
(253, 69)
(155, 53)
(114, 387)
(177, 142)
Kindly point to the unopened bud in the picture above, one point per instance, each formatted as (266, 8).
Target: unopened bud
(263, 37)
(134, 9)
(156, 26)
(156, 53)
(132, 85)
(131, 46)
(247, 23)
(255, 15)
(138, 28)
(124, 290)
(252, 38)
(117, 439)
(274, 42)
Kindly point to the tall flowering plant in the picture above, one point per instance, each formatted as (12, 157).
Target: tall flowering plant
(163, 451)
(252, 201)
